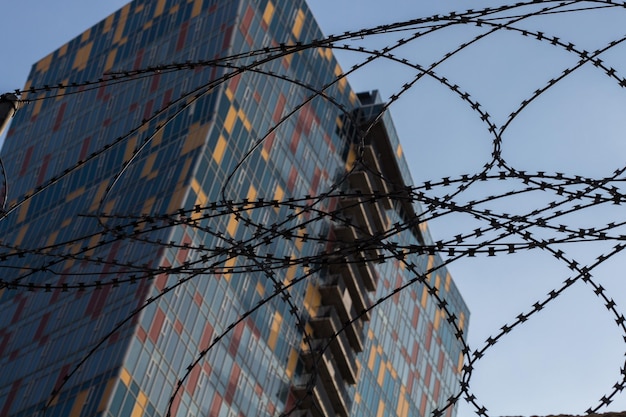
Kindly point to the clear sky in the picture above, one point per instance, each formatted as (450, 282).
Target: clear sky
(570, 354)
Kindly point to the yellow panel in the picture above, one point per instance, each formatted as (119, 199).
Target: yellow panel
(350, 158)
(277, 321)
(108, 23)
(121, 24)
(352, 97)
(137, 410)
(312, 299)
(147, 205)
(159, 8)
(197, 8)
(52, 238)
(229, 264)
(260, 289)
(437, 281)
(461, 320)
(82, 56)
(402, 406)
(448, 279)
(147, 167)
(229, 94)
(251, 193)
(85, 36)
(265, 154)
(110, 60)
(175, 202)
(268, 14)
(279, 193)
(130, 148)
(23, 211)
(399, 151)
(36, 108)
(139, 8)
(437, 319)
(297, 26)
(62, 50)
(424, 297)
(141, 402)
(125, 377)
(460, 365)
(174, 9)
(195, 138)
(44, 64)
(99, 194)
(75, 194)
(357, 398)
(292, 362)
(431, 262)
(244, 119)
(232, 225)
(229, 123)
(219, 150)
(156, 140)
(79, 402)
(20, 235)
(372, 360)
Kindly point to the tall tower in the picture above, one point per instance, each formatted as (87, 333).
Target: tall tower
(193, 228)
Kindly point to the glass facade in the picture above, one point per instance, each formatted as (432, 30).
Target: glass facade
(197, 239)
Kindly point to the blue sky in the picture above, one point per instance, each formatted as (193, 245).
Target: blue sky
(571, 354)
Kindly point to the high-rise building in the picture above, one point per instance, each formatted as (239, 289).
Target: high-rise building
(196, 230)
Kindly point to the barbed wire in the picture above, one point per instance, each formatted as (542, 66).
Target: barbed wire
(498, 233)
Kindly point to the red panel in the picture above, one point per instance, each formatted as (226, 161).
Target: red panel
(215, 405)
(198, 299)
(232, 384)
(416, 315)
(147, 110)
(192, 380)
(155, 82)
(141, 334)
(157, 323)
(9, 402)
(85, 148)
(207, 334)
(138, 59)
(247, 20)
(182, 36)
(293, 175)
(295, 140)
(178, 326)
(269, 141)
(234, 82)
(18, 310)
(167, 97)
(98, 301)
(415, 352)
(440, 362)
(43, 169)
(234, 342)
(436, 390)
(280, 107)
(429, 336)
(59, 118)
(316, 181)
(39, 333)
(429, 371)
(27, 156)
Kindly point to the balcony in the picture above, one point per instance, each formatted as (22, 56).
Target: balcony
(328, 378)
(327, 325)
(335, 293)
(314, 400)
